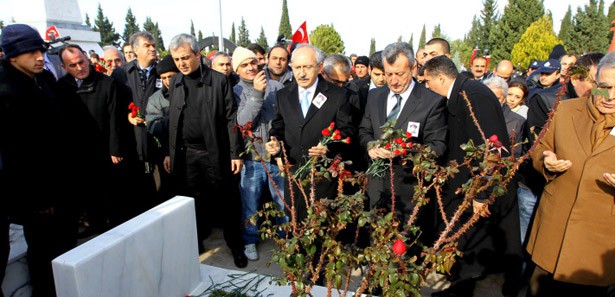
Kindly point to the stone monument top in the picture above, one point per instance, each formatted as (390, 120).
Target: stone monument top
(65, 15)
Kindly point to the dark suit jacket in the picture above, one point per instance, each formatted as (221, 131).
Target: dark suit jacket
(217, 121)
(300, 134)
(129, 75)
(491, 238)
(423, 106)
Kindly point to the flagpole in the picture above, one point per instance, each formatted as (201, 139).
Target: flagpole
(221, 37)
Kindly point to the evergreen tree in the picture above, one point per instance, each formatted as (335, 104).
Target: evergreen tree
(488, 19)
(243, 36)
(610, 17)
(399, 38)
(200, 36)
(472, 38)
(536, 43)
(105, 27)
(437, 32)
(1, 24)
(590, 29)
(326, 38)
(285, 28)
(566, 29)
(192, 32)
(131, 25)
(262, 40)
(153, 28)
(411, 40)
(462, 50)
(517, 16)
(422, 40)
(87, 20)
(233, 36)
(372, 47)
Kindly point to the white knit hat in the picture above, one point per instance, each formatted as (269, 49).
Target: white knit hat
(241, 54)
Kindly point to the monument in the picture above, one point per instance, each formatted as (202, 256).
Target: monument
(65, 15)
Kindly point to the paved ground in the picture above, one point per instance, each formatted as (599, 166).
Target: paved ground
(217, 254)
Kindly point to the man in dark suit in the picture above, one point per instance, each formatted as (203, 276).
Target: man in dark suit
(204, 148)
(419, 111)
(304, 109)
(492, 244)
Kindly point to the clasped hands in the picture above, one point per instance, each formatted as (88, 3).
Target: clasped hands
(273, 148)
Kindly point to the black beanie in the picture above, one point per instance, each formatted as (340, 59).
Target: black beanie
(557, 52)
(166, 65)
(363, 60)
(19, 38)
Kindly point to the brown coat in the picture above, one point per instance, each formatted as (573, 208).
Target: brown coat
(573, 234)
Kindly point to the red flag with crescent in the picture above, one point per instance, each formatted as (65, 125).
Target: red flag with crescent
(474, 51)
(301, 35)
(52, 33)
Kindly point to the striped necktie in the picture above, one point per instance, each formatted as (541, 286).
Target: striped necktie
(396, 108)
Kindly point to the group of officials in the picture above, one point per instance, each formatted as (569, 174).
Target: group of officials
(70, 145)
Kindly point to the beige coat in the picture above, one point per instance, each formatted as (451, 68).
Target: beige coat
(573, 234)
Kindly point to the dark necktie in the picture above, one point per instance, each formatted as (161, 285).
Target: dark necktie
(396, 108)
(143, 76)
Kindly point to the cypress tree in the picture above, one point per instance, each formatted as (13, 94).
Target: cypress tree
(591, 29)
(610, 17)
(192, 32)
(372, 47)
(87, 20)
(244, 36)
(233, 36)
(200, 36)
(422, 40)
(472, 38)
(411, 40)
(105, 27)
(153, 28)
(536, 43)
(262, 40)
(131, 25)
(488, 21)
(437, 32)
(285, 28)
(566, 29)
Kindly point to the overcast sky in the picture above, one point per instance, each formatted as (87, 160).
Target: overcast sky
(356, 21)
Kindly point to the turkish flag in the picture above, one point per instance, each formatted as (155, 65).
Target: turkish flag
(52, 32)
(301, 35)
(474, 51)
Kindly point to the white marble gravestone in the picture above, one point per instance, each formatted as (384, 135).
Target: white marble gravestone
(152, 255)
(64, 14)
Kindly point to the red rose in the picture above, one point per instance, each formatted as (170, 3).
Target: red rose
(387, 146)
(131, 105)
(403, 144)
(397, 152)
(326, 132)
(347, 140)
(498, 144)
(409, 145)
(332, 125)
(399, 247)
(493, 138)
(408, 134)
(399, 140)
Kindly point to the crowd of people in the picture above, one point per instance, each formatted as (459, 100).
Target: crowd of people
(85, 147)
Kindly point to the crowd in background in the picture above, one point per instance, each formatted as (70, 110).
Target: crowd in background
(88, 142)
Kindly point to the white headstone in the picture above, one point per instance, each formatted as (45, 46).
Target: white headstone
(64, 14)
(153, 255)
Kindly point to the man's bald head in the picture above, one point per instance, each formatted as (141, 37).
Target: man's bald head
(505, 69)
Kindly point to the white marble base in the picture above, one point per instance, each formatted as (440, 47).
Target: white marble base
(257, 285)
(16, 280)
(152, 255)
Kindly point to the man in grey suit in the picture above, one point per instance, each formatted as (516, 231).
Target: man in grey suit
(416, 109)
